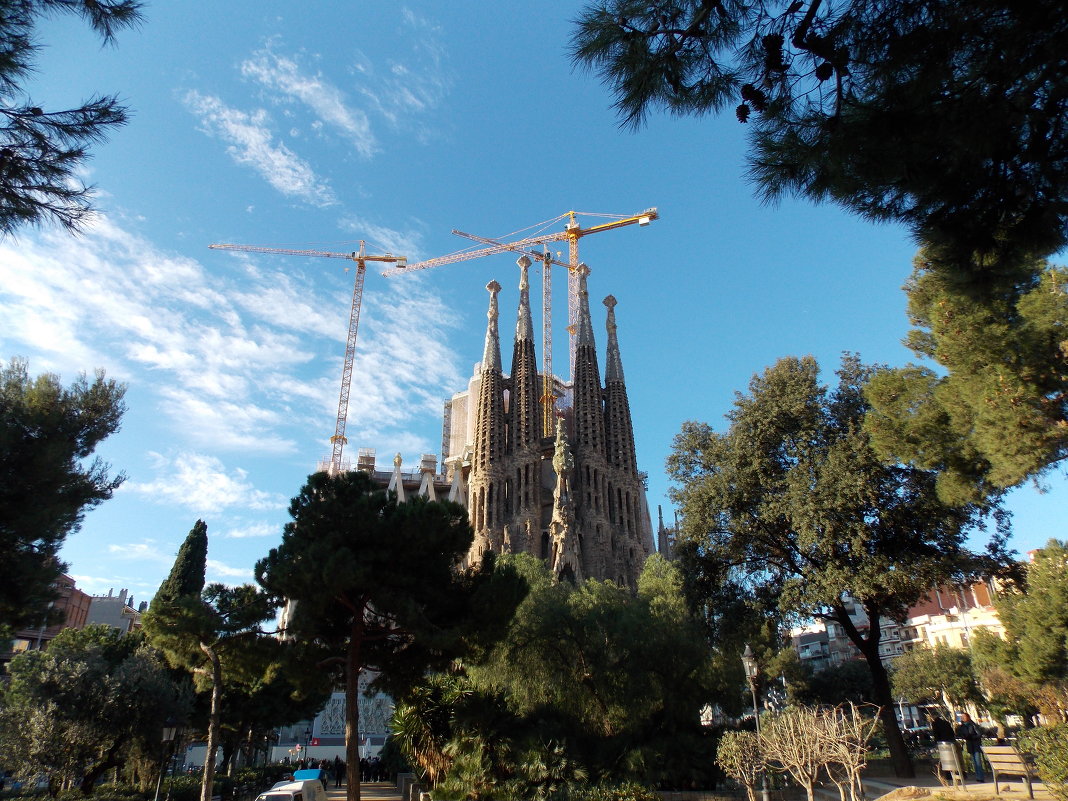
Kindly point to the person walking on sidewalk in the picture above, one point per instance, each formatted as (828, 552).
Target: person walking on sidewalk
(973, 742)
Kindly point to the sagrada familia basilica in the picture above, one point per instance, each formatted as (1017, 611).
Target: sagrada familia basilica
(566, 489)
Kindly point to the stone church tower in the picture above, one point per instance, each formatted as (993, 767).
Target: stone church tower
(572, 496)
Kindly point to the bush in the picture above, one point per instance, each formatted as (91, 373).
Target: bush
(1049, 744)
(182, 788)
(105, 792)
(624, 791)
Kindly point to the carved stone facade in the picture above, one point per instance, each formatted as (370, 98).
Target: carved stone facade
(572, 496)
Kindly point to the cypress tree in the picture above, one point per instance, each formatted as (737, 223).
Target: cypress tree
(187, 573)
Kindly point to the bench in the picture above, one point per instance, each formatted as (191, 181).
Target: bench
(1005, 759)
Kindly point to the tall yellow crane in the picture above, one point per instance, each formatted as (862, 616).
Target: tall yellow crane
(338, 441)
(571, 234)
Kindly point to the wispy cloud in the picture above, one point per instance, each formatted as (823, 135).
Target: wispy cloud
(203, 484)
(241, 532)
(284, 74)
(219, 569)
(243, 360)
(144, 551)
(250, 141)
(408, 89)
(399, 243)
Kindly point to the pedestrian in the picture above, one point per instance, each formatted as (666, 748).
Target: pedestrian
(941, 729)
(339, 774)
(973, 742)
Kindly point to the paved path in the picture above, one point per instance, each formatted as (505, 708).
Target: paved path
(1011, 788)
(369, 791)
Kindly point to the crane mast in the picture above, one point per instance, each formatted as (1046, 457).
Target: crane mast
(338, 440)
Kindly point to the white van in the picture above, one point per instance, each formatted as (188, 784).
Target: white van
(300, 790)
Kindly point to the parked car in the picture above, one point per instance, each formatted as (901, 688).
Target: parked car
(307, 785)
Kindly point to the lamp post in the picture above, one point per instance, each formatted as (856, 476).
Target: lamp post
(307, 745)
(749, 663)
(167, 736)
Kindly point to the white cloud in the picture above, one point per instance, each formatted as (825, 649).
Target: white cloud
(216, 568)
(414, 86)
(145, 551)
(399, 243)
(250, 142)
(284, 74)
(245, 359)
(203, 484)
(251, 530)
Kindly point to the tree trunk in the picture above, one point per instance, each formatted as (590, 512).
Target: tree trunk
(93, 774)
(884, 697)
(208, 783)
(880, 686)
(352, 710)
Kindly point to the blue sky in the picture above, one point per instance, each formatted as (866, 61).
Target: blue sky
(315, 125)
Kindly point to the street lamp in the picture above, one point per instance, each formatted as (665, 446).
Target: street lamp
(749, 663)
(167, 736)
(307, 745)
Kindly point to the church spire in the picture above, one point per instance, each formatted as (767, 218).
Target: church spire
(613, 368)
(618, 425)
(583, 326)
(486, 481)
(524, 328)
(589, 402)
(491, 354)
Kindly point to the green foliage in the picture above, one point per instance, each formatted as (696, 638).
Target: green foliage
(938, 675)
(1029, 669)
(621, 791)
(995, 412)
(378, 585)
(358, 563)
(110, 792)
(81, 707)
(847, 682)
(792, 509)
(42, 153)
(1036, 620)
(186, 578)
(213, 632)
(852, 102)
(581, 683)
(1049, 744)
(740, 757)
(47, 432)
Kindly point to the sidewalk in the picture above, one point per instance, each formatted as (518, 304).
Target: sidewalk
(1012, 789)
(369, 791)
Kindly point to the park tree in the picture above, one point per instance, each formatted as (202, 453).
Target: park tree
(84, 705)
(1035, 616)
(794, 509)
(205, 630)
(1004, 693)
(989, 409)
(267, 686)
(615, 679)
(48, 433)
(853, 102)
(939, 675)
(43, 152)
(846, 682)
(378, 585)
